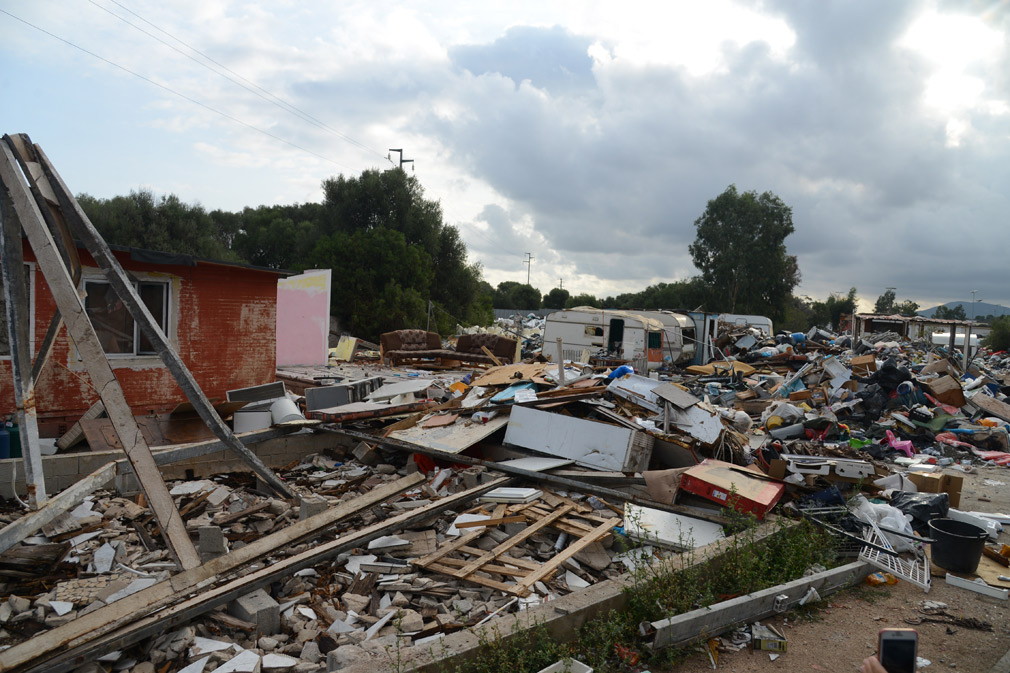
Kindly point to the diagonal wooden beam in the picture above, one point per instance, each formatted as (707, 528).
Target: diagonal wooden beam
(64, 291)
(124, 288)
(19, 322)
(48, 206)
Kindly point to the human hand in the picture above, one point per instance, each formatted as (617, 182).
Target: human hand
(872, 665)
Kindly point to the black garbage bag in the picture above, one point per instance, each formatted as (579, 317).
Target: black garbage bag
(922, 507)
(890, 375)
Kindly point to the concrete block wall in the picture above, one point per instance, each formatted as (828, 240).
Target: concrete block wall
(64, 470)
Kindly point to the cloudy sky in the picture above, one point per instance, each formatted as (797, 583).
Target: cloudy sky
(589, 134)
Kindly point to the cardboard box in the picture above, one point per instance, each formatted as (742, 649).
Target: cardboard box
(863, 365)
(800, 395)
(768, 638)
(947, 390)
(935, 482)
(732, 486)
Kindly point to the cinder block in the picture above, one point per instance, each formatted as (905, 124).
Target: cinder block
(310, 507)
(212, 543)
(260, 608)
(127, 484)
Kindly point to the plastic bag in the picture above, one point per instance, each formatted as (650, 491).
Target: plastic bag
(888, 517)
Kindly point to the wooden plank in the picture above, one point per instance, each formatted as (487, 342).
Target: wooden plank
(487, 352)
(715, 619)
(116, 626)
(30, 523)
(571, 550)
(511, 542)
(69, 302)
(19, 322)
(487, 523)
(448, 548)
(92, 626)
(509, 560)
(124, 288)
(483, 581)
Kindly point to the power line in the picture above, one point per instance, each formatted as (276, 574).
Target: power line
(176, 93)
(246, 84)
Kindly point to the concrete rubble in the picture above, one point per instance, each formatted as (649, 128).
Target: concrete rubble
(632, 442)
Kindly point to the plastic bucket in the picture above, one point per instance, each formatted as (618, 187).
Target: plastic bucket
(284, 411)
(958, 546)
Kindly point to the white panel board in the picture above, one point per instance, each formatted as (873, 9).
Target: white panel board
(588, 443)
(451, 438)
(669, 529)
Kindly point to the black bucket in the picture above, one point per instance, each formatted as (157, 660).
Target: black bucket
(958, 546)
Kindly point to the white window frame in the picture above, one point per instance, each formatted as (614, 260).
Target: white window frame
(171, 318)
(31, 311)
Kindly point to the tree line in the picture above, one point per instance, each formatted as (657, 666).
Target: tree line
(395, 263)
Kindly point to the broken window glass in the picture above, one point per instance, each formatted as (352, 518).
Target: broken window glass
(115, 327)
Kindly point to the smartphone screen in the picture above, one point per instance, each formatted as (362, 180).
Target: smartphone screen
(897, 656)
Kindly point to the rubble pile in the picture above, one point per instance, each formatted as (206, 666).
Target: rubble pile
(406, 530)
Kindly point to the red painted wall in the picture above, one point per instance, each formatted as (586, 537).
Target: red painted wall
(226, 336)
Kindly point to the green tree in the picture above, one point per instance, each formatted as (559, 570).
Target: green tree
(906, 308)
(526, 298)
(425, 260)
(556, 298)
(504, 294)
(944, 312)
(583, 300)
(167, 224)
(885, 303)
(741, 253)
(999, 337)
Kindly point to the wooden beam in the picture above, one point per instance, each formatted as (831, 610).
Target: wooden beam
(490, 523)
(488, 353)
(69, 302)
(29, 524)
(64, 240)
(117, 626)
(124, 288)
(715, 619)
(19, 322)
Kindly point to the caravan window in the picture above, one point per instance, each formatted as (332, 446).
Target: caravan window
(655, 340)
(594, 331)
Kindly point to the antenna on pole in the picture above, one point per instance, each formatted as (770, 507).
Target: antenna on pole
(402, 160)
(529, 265)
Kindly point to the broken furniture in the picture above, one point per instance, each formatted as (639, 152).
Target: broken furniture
(470, 348)
(412, 344)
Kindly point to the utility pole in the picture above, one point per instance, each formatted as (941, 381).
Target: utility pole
(529, 265)
(561, 283)
(402, 160)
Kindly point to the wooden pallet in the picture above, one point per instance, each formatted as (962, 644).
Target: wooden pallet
(523, 574)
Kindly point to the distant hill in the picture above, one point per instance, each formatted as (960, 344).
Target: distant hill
(981, 309)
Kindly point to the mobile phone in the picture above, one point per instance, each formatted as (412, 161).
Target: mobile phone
(897, 650)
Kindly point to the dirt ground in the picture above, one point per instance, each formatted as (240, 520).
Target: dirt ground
(843, 632)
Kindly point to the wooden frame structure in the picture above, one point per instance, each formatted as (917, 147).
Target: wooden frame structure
(35, 200)
(525, 573)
